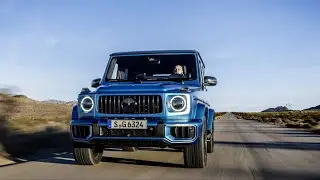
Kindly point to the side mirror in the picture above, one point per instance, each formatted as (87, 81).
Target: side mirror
(95, 83)
(210, 81)
(85, 90)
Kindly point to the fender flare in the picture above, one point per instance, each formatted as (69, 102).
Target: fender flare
(211, 118)
(202, 110)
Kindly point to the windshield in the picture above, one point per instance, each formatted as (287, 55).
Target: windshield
(152, 68)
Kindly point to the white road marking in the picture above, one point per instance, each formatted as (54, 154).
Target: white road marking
(22, 160)
(62, 158)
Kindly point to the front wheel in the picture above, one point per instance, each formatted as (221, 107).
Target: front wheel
(210, 141)
(87, 155)
(210, 144)
(195, 156)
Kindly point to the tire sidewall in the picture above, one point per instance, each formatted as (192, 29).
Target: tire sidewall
(204, 144)
(211, 141)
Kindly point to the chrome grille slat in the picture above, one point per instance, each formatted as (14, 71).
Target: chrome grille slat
(143, 104)
(158, 103)
(119, 106)
(114, 104)
(148, 104)
(139, 106)
(109, 104)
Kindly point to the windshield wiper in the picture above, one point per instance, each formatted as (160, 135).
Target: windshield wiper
(142, 77)
(116, 80)
(123, 80)
(137, 79)
(173, 78)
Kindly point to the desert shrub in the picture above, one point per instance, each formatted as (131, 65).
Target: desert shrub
(294, 119)
(220, 113)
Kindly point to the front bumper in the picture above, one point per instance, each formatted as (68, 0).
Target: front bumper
(158, 134)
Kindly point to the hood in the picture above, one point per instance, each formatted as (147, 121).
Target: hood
(146, 87)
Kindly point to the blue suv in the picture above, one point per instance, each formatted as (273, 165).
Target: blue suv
(146, 99)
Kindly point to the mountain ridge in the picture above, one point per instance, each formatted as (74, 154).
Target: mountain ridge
(55, 101)
(284, 108)
(313, 108)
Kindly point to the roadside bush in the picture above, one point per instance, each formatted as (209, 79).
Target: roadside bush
(294, 119)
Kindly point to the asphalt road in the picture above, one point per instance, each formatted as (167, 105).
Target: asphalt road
(243, 150)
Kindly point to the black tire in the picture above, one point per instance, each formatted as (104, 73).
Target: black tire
(85, 155)
(210, 142)
(195, 156)
(131, 149)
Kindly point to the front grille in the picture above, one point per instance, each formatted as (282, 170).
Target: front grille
(145, 104)
(151, 132)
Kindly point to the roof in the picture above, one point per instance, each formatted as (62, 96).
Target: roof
(153, 52)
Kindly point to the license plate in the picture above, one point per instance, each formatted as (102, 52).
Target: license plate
(128, 124)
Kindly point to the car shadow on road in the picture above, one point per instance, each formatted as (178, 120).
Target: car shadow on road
(160, 149)
(140, 162)
(273, 145)
(67, 159)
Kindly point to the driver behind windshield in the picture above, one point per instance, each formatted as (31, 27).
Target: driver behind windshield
(178, 70)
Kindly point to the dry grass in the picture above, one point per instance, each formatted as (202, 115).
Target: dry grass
(27, 125)
(32, 116)
(291, 119)
(219, 114)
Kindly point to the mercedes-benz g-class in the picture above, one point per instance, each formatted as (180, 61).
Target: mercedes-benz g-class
(146, 99)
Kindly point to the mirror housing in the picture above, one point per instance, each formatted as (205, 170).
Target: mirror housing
(210, 81)
(95, 83)
(85, 90)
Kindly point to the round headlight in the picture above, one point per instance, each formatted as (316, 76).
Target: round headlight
(87, 104)
(178, 103)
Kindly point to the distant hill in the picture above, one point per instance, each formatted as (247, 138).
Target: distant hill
(276, 109)
(313, 108)
(50, 101)
(20, 96)
(53, 101)
(32, 115)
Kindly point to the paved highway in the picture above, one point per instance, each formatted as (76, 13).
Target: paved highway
(243, 150)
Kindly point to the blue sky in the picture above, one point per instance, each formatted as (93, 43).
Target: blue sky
(264, 53)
